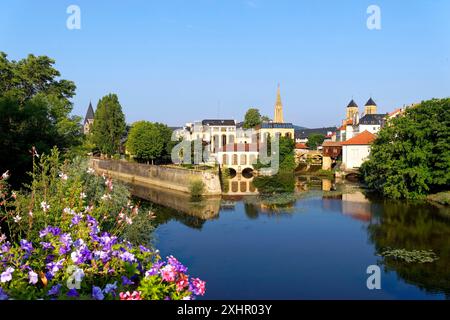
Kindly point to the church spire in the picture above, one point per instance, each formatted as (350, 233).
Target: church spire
(278, 108)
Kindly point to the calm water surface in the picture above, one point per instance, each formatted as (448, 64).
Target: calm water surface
(317, 246)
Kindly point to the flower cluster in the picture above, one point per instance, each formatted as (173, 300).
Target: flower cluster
(87, 263)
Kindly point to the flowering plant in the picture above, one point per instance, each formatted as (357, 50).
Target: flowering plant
(86, 263)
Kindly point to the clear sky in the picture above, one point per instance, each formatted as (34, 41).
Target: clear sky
(177, 61)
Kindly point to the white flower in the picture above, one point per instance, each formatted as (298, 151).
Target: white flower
(63, 176)
(14, 195)
(2, 238)
(17, 219)
(128, 220)
(45, 206)
(90, 170)
(103, 176)
(106, 197)
(88, 208)
(30, 213)
(83, 195)
(6, 175)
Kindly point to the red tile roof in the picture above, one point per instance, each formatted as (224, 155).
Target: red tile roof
(301, 146)
(331, 144)
(363, 138)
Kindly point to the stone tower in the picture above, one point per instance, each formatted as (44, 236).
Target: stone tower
(89, 119)
(352, 110)
(370, 107)
(278, 118)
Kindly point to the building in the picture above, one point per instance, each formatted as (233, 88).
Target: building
(88, 119)
(370, 107)
(356, 150)
(332, 149)
(352, 110)
(371, 122)
(278, 126)
(238, 156)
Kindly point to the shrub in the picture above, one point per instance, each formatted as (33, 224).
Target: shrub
(196, 188)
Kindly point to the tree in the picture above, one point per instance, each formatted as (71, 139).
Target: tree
(265, 119)
(252, 118)
(109, 125)
(35, 107)
(411, 155)
(315, 140)
(146, 141)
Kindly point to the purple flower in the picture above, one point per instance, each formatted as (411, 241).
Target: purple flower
(97, 293)
(54, 291)
(33, 277)
(127, 257)
(43, 232)
(55, 231)
(3, 295)
(177, 264)
(73, 293)
(76, 219)
(154, 269)
(54, 267)
(26, 246)
(47, 246)
(144, 249)
(6, 275)
(109, 288)
(126, 281)
(6, 247)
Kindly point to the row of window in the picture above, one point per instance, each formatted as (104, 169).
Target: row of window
(241, 186)
(226, 159)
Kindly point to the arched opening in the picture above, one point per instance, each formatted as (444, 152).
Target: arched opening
(235, 159)
(225, 160)
(232, 173)
(234, 186)
(243, 159)
(288, 135)
(243, 186)
(224, 140)
(247, 173)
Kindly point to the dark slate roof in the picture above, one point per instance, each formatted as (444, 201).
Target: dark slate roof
(372, 119)
(218, 122)
(352, 104)
(370, 102)
(89, 113)
(275, 125)
(304, 133)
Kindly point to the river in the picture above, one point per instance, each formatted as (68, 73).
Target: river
(316, 243)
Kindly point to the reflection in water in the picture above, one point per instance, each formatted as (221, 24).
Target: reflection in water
(414, 227)
(387, 224)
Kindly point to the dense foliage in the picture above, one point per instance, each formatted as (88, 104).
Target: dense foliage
(109, 125)
(68, 237)
(148, 141)
(252, 118)
(411, 156)
(315, 140)
(35, 107)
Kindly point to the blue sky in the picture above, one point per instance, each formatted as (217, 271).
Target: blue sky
(177, 61)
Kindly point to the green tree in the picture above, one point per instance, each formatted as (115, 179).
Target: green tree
(252, 118)
(109, 125)
(315, 140)
(411, 155)
(35, 106)
(146, 141)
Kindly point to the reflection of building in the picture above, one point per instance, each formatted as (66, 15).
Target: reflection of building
(89, 119)
(356, 205)
(240, 185)
(356, 150)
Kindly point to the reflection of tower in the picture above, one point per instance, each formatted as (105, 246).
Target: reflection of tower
(370, 107)
(352, 111)
(278, 118)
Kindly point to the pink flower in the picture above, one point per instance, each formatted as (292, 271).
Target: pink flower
(136, 295)
(182, 282)
(197, 287)
(168, 273)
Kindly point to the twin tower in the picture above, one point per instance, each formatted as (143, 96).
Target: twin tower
(353, 109)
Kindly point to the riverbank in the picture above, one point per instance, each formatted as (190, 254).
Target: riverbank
(442, 198)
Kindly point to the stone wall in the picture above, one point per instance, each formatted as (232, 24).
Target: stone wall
(167, 177)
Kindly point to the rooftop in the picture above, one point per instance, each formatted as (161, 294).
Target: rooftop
(218, 122)
(332, 144)
(276, 125)
(364, 138)
(373, 119)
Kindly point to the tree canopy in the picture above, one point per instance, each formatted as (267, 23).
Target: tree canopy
(315, 140)
(109, 125)
(411, 156)
(149, 141)
(252, 118)
(35, 107)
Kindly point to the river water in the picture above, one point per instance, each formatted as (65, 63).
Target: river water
(314, 243)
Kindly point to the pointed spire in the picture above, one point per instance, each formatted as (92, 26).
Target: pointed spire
(370, 102)
(352, 104)
(89, 113)
(278, 118)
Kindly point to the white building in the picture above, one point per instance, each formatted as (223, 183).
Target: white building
(356, 150)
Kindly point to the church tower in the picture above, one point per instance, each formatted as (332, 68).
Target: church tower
(278, 118)
(370, 107)
(352, 110)
(89, 119)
